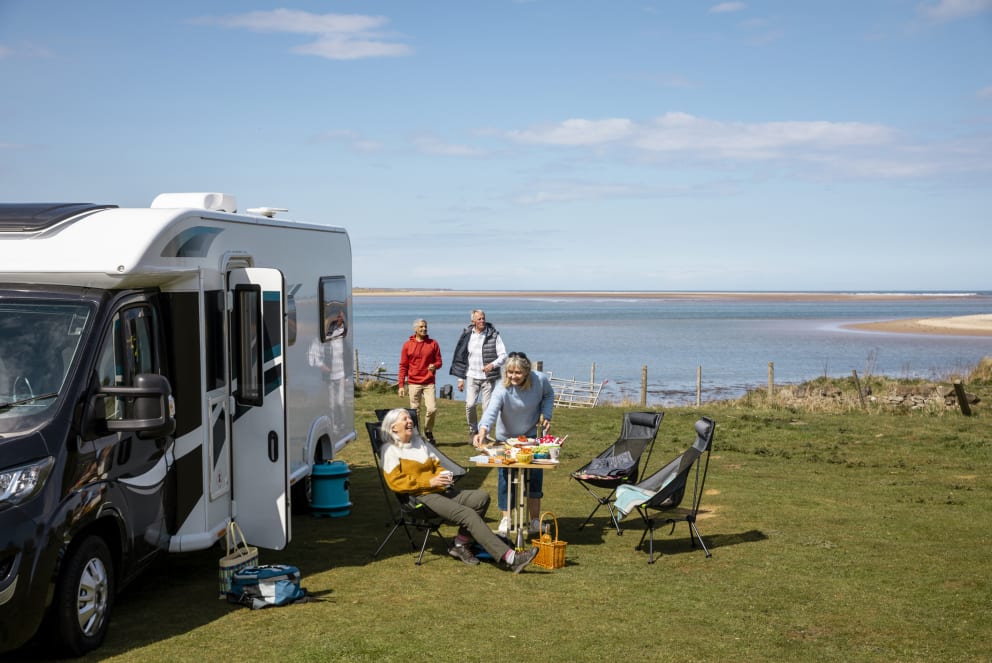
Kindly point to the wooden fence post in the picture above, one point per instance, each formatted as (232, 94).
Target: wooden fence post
(539, 366)
(357, 372)
(644, 386)
(771, 378)
(857, 384)
(592, 374)
(699, 385)
(962, 398)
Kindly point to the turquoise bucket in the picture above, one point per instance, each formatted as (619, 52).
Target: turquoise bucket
(329, 489)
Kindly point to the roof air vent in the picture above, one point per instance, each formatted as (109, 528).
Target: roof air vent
(217, 202)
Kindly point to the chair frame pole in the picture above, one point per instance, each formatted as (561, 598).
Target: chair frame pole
(603, 501)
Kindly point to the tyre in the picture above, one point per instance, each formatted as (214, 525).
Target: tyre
(84, 597)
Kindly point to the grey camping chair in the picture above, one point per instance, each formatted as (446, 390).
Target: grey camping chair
(381, 413)
(658, 498)
(405, 511)
(619, 463)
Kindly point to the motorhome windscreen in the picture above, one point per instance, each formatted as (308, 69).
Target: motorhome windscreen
(39, 344)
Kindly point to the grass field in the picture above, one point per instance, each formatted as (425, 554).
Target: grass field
(836, 536)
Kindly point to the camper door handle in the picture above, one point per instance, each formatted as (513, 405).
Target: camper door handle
(273, 446)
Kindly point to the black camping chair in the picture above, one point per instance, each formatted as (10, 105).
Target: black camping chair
(667, 488)
(381, 414)
(619, 463)
(405, 510)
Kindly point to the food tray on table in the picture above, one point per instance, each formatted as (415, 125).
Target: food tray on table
(547, 440)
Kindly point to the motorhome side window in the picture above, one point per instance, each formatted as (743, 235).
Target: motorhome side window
(248, 346)
(333, 308)
(128, 349)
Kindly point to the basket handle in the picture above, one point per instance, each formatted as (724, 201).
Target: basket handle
(234, 533)
(554, 518)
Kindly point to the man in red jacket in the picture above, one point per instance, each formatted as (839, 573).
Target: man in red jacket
(420, 359)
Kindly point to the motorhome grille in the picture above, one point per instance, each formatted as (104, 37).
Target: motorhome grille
(32, 217)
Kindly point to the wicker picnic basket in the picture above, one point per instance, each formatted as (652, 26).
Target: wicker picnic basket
(551, 552)
(239, 556)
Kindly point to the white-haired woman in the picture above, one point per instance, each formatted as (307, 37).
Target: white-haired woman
(412, 468)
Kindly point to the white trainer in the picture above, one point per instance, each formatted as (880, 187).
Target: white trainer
(504, 526)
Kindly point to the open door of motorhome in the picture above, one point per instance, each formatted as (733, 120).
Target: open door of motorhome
(259, 447)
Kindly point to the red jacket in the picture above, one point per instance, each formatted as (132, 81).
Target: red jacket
(415, 357)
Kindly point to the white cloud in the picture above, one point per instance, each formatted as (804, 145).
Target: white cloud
(950, 10)
(430, 144)
(805, 149)
(684, 132)
(985, 93)
(576, 132)
(681, 132)
(346, 48)
(727, 7)
(339, 36)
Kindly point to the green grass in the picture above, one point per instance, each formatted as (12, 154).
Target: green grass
(851, 536)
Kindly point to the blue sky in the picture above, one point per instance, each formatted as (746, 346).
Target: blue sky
(542, 144)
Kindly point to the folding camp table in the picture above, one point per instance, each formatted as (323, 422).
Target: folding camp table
(516, 496)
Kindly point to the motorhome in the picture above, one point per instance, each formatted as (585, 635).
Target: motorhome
(163, 371)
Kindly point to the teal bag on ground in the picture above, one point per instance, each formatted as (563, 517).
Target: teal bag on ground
(266, 586)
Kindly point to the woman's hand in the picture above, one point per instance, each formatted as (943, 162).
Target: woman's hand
(479, 440)
(442, 480)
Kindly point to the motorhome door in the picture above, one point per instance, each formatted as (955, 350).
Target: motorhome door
(259, 449)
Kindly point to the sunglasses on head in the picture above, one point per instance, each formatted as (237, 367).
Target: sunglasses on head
(518, 355)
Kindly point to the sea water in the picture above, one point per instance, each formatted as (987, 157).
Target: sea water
(729, 341)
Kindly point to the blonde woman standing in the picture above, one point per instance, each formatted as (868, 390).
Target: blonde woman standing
(517, 406)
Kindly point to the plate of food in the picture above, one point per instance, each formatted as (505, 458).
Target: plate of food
(547, 440)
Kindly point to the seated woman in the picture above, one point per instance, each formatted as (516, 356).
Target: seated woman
(411, 468)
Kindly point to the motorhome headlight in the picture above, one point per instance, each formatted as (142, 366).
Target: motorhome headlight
(18, 484)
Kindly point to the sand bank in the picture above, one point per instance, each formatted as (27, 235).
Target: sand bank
(962, 325)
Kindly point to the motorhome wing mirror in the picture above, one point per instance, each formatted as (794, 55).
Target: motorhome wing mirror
(153, 410)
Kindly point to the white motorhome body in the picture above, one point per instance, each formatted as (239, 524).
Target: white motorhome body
(246, 316)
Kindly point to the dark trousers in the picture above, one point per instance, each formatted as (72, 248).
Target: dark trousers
(467, 509)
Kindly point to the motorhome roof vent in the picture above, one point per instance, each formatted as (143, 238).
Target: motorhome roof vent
(267, 212)
(218, 202)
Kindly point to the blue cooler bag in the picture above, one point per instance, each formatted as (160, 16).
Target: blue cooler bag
(265, 586)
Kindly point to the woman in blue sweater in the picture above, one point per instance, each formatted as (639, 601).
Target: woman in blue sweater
(516, 408)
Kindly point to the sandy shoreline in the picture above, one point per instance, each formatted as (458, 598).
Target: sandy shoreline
(962, 325)
(965, 325)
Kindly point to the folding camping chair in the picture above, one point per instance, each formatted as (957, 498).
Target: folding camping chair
(619, 463)
(381, 414)
(662, 493)
(405, 510)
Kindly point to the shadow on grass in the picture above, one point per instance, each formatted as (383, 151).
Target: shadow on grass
(676, 545)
